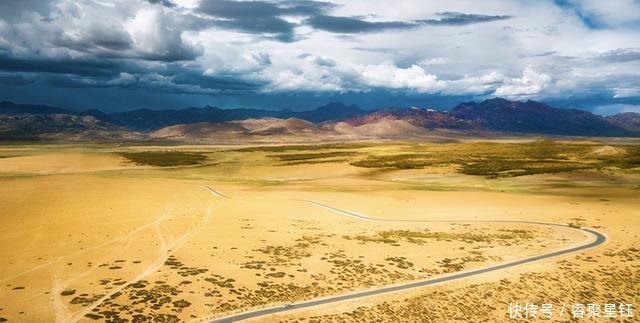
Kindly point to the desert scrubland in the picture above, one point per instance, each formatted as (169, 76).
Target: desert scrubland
(172, 233)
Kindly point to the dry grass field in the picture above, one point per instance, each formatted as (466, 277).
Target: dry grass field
(191, 233)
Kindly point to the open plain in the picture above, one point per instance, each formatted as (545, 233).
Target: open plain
(179, 233)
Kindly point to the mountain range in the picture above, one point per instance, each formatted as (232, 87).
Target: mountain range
(334, 121)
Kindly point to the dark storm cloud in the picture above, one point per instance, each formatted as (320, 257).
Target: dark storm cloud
(173, 80)
(244, 10)
(171, 77)
(173, 54)
(282, 29)
(193, 77)
(223, 83)
(620, 55)
(94, 68)
(96, 40)
(13, 9)
(545, 54)
(166, 3)
(66, 81)
(353, 25)
(263, 59)
(15, 80)
(390, 51)
(261, 17)
(322, 61)
(461, 19)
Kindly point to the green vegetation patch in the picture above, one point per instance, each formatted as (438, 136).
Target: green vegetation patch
(503, 159)
(13, 156)
(314, 158)
(394, 237)
(517, 167)
(316, 161)
(400, 161)
(630, 160)
(164, 158)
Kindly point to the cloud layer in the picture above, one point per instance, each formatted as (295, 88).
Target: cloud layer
(229, 52)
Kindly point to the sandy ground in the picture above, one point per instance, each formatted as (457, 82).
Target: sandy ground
(609, 274)
(88, 236)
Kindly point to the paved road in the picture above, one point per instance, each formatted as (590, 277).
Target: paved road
(599, 239)
(214, 192)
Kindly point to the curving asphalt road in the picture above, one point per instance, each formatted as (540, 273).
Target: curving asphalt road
(215, 192)
(599, 239)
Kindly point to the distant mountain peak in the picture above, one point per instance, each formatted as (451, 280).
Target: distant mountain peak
(337, 106)
(496, 114)
(499, 114)
(497, 100)
(627, 120)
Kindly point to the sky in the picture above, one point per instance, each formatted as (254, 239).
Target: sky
(118, 55)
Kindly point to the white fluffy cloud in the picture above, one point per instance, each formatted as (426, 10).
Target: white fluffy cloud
(154, 35)
(309, 75)
(530, 84)
(433, 61)
(543, 51)
(387, 75)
